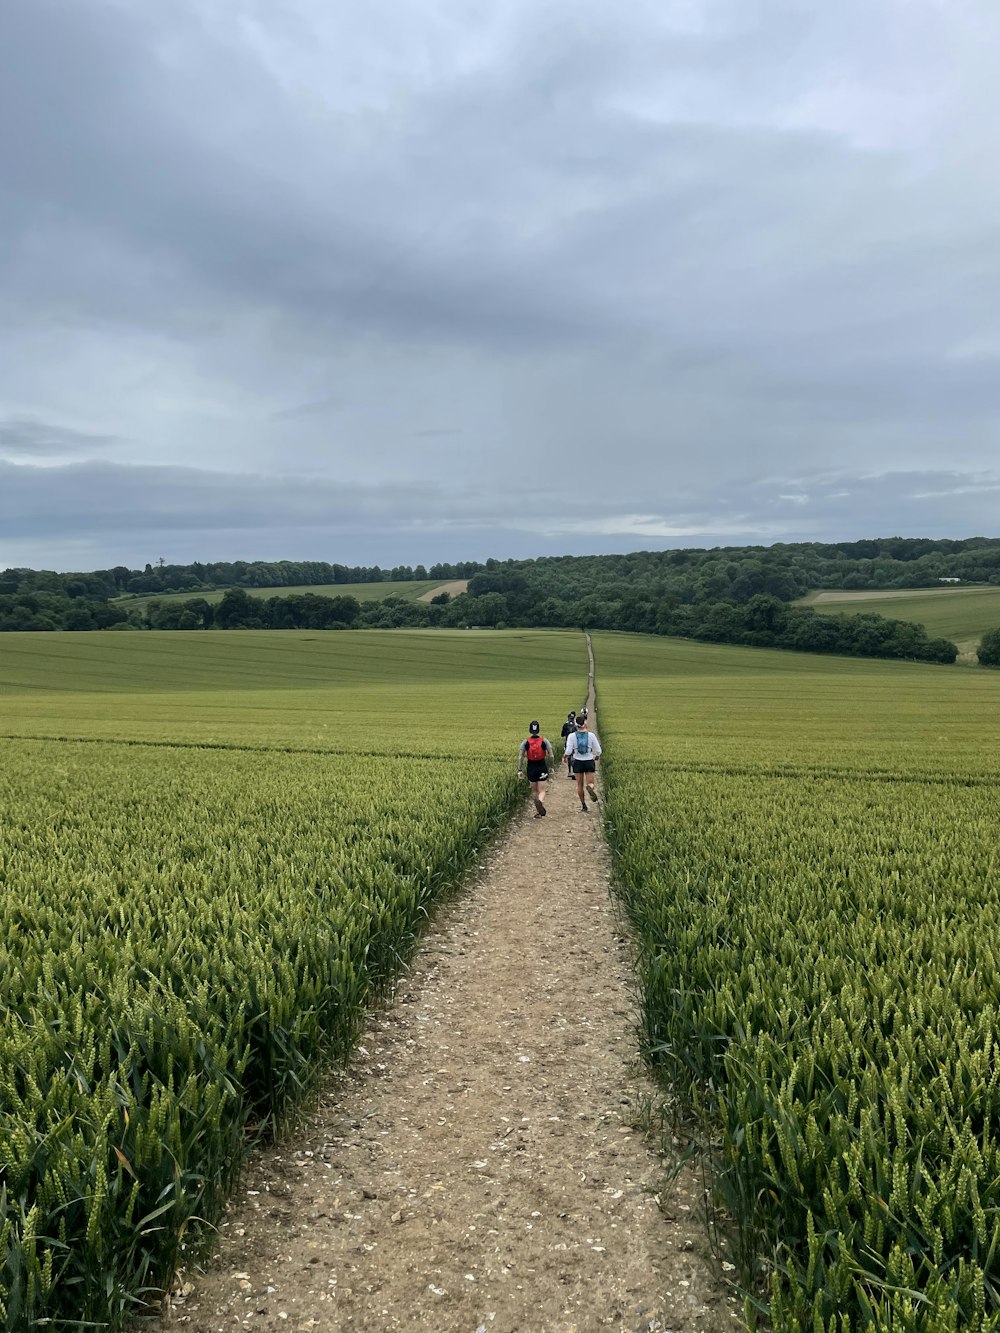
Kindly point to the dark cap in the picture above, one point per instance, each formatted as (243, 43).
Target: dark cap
(534, 728)
(581, 724)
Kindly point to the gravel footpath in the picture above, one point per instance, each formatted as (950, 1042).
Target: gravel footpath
(481, 1165)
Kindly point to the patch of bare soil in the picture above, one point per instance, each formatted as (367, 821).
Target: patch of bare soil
(885, 594)
(481, 1165)
(453, 589)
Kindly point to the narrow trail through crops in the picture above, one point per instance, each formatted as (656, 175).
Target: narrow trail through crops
(479, 1166)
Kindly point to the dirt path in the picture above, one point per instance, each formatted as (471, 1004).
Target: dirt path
(453, 588)
(478, 1167)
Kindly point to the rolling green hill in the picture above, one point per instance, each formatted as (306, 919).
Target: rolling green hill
(962, 614)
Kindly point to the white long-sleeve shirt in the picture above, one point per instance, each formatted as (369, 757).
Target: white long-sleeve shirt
(571, 750)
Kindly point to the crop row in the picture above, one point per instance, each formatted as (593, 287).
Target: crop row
(187, 937)
(821, 978)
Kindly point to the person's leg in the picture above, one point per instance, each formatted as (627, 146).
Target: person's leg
(536, 796)
(579, 790)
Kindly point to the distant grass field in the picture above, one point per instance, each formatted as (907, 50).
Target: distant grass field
(411, 590)
(963, 615)
(718, 707)
(288, 689)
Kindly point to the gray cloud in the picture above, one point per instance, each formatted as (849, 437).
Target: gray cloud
(88, 499)
(83, 509)
(26, 437)
(650, 260)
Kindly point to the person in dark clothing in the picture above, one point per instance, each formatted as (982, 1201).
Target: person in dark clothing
(568, 728)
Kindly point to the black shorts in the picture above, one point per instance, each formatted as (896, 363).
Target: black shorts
(536, 770)
(584, 766)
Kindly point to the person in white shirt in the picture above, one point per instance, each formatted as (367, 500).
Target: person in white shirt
(583, 750)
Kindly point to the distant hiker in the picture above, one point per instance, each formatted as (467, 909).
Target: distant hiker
(568, 728)
(533, 760)
(583, 750)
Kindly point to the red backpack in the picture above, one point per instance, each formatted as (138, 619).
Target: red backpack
(536, 748)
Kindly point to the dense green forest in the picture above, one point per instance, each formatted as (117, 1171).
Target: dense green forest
(725, 594)
(728, 573)
(202, 577)
(764, 621)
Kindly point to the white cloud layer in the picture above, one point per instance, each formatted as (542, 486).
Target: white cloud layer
(420, 282)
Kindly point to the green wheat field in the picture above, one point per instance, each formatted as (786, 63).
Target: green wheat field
(219, 846)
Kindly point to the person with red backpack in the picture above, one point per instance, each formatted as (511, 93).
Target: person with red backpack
(533, 761)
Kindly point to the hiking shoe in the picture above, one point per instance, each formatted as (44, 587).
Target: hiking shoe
(593, 796)
(583, 809)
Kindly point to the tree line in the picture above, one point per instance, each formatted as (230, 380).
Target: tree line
(52, 611)
(724, 594)
(729, 573)
(202, 576)
(763, 622)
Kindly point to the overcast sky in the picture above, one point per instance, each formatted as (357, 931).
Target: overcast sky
(384, 282)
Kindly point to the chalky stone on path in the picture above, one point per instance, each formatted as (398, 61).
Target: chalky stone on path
(477, 1166)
